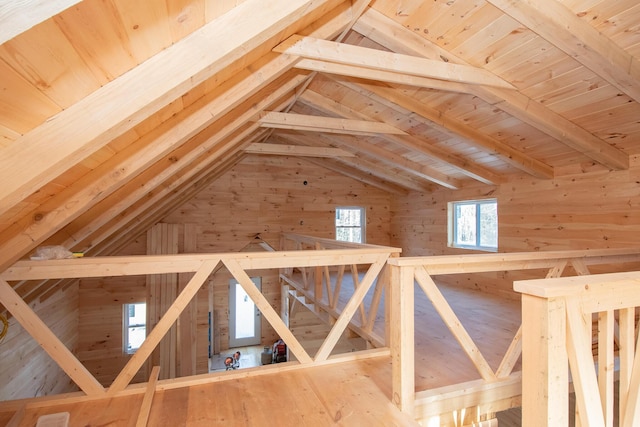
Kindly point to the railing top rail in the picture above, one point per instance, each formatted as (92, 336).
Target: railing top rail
(335, 244)
(473, 263)
(184, 263)
(577, 285)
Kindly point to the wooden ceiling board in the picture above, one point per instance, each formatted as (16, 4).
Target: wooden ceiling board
(443, 20)
(22, 106)
(540, 65)
(61, 75)
(482, 45)
(99, 37)
(185, 16)
(146, 25)
(464, 28)
(562, 110)
(575, 82)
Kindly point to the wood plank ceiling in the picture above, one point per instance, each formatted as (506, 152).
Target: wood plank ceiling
(114, 112)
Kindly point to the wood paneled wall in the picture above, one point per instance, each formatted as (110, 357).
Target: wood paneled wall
(267, 195)
(263, 195)
(26, 370)
(101, 317)
(578, 211)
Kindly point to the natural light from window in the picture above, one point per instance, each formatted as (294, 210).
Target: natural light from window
(350, 224)
(135, 326)
(473, 224)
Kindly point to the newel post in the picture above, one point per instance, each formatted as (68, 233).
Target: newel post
(545, 370)
(402, 337)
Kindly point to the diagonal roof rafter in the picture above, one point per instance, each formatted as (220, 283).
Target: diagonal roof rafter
(557, 24)
(394, 36)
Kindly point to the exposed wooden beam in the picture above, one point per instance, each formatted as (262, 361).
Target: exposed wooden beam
(561, 27)
(17, 17)
(296, 150)
(223, 99)
(476, 172)
(374, 59)
(122, 232)
(392, 35)
(162, 151)
(362, 176)
(126, 101)
(366, 166)
(162, 327)
(210, 159)
(112, 266)
(147, 400)
(439, 120)
(365, 148)
(327, 67)
(305, 122)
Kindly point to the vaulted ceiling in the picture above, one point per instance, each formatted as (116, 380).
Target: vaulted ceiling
(114, 112)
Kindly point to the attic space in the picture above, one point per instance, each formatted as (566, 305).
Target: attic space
(174, 149)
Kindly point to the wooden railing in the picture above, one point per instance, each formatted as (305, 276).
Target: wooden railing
(320, 288)
(201, 265)
(557, 327)
(493, 385)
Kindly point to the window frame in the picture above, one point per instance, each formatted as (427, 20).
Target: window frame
(362, 227)
(453, 221)
(126, 326)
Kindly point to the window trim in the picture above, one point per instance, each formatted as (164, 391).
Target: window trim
(126, 326)
(363, 222)
(453, 222)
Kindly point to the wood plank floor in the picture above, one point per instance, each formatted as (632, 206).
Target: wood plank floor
(351, 394)
(347, 394)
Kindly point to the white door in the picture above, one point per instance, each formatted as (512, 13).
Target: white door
(244, 316)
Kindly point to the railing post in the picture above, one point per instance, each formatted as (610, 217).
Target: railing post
(402, 338)
(545, 370)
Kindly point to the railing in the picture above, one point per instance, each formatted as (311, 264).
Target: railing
(493, 385)
(323, 287)
(557, 327)
(202, 265)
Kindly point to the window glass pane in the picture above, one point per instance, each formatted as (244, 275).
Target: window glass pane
(348, 217)
(137, 335)
(349, 234)
(489, 225)
(135, 326)
(350, 224)
(466, 224)
(474, 224)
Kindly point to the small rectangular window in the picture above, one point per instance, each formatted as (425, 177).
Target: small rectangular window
(350, 224)
(474, 224)
(134, 326)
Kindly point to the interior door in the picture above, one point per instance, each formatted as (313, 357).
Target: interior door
(244, 316)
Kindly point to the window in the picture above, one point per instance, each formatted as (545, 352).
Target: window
(135, 326)
(474, 224)
(350, 222)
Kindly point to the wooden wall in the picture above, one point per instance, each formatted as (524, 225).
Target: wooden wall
(576, 211)
(267, 195)
(263, 195)
(100, 346)
(26, 369)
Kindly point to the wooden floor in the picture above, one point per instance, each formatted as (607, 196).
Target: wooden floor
(348, 394)
(491, 321)
(356, 393)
